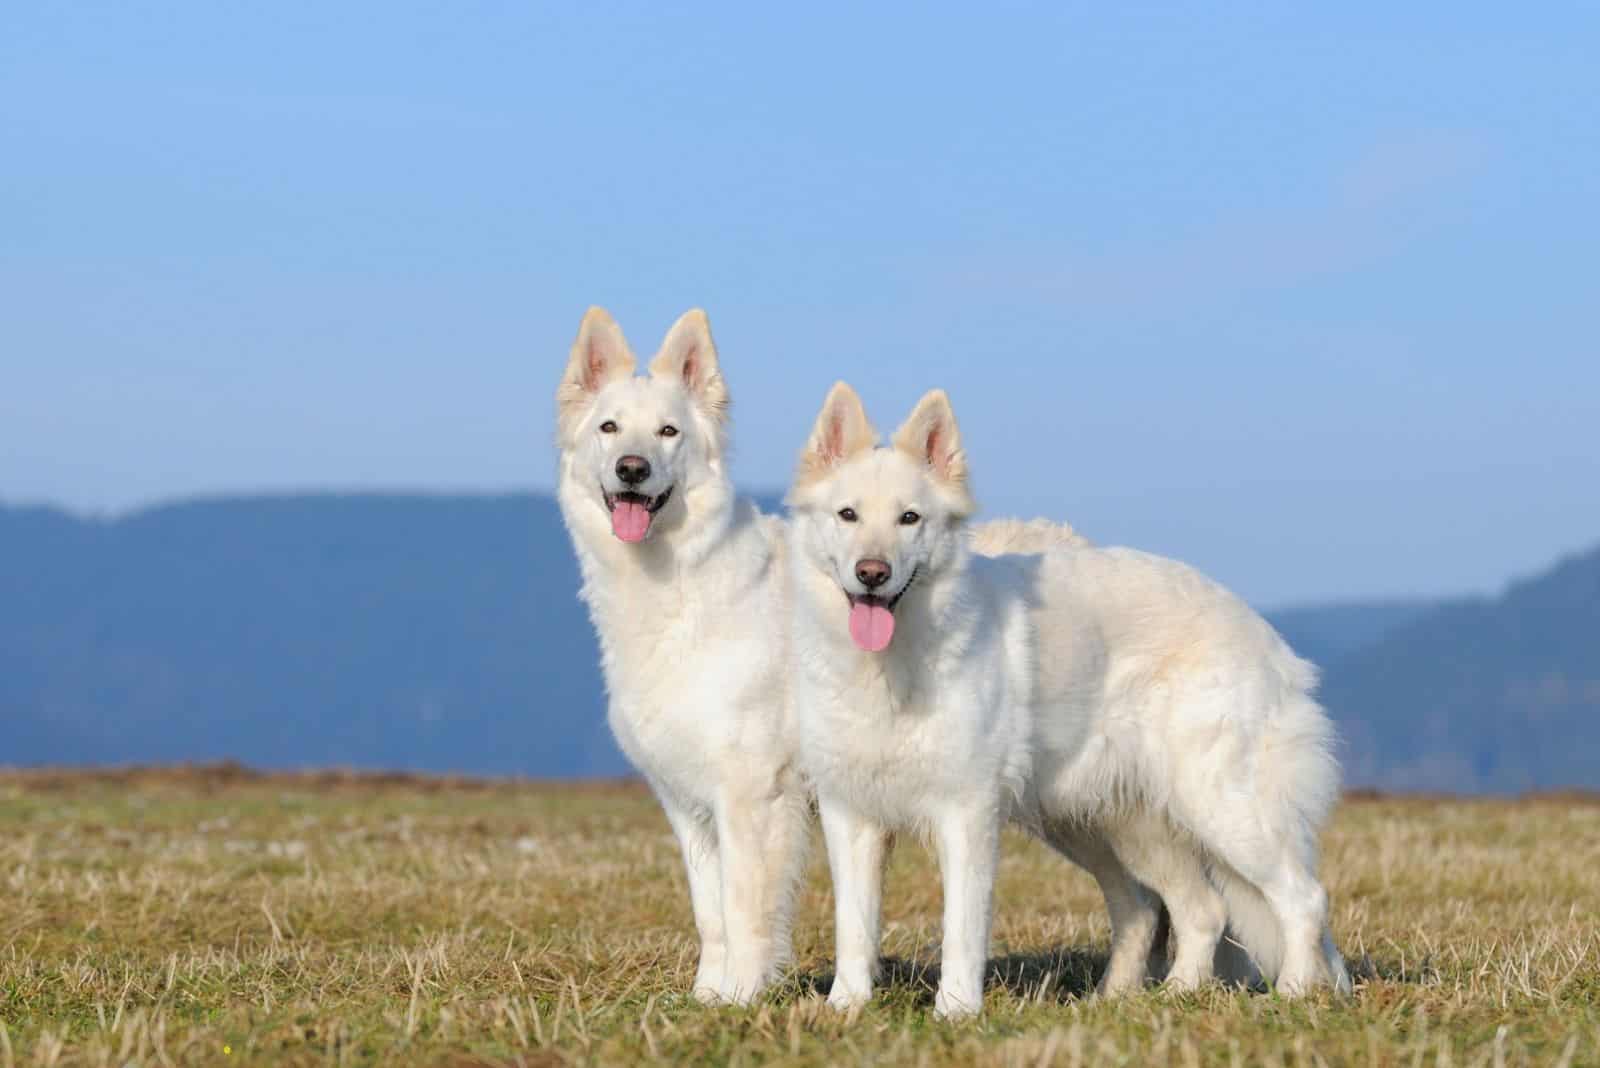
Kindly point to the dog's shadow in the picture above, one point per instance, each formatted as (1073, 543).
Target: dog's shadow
(1065, 973)
(1054, 975)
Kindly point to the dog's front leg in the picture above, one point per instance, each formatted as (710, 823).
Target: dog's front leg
(761, 835)
(968, 840)
(857, 848)
(702, 860)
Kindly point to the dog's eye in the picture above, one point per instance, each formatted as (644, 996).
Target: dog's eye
(668, 431)
(909, 518)
(608, 427)
(847, 514)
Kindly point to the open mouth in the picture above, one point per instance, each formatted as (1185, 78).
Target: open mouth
(872, 617)
(632, 512)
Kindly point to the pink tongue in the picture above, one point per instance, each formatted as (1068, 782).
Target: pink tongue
(630, 521)
(871, 626)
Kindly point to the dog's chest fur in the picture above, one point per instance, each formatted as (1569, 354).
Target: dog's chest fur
(693, 662)
(900, 742)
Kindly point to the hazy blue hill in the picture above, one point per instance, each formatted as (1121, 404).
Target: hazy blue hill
(1326, 633)
(415, 632)
(1495, 694)
(444, 633)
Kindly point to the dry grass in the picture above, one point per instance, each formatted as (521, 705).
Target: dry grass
(219, 917)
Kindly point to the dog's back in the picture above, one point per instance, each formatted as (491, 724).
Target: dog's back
(1002, 537)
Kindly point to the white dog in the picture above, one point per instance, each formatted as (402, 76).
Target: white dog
(685, 585)
(1088, 694)
(688, 592)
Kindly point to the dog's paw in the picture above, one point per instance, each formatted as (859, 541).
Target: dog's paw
(1185, 979)
(710, 975)
(743, 987)
(951, 1005)
(708, 985)
(1118, 981)
(712, 991)
(1302, 982)
(843, 997)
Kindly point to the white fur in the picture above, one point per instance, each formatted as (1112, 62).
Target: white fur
(692, 637)
(1123, 707)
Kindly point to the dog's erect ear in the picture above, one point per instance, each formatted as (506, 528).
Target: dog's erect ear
(841, 432)
(600, 355)
(690, 356)
(930, 436)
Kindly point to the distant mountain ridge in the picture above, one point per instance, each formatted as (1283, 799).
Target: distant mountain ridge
(1499, 694)
(444, 633)
(1326, 633)
(437, 633)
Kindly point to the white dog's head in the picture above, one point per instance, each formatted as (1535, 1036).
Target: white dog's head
(873, 521)
(635, 449)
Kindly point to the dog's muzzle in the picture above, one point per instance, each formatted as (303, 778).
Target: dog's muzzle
(872, 617)
(633, 512)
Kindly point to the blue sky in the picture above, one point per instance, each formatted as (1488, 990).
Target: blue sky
(1307, 298)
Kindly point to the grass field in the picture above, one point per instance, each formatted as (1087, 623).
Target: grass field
(215, 917)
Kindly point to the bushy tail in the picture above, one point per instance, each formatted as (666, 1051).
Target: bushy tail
(1298, 785)
(1299, 776)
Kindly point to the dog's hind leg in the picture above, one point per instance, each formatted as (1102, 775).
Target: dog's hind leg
(1263, 831)
(698, 841)
(1170, 863)
(1282, 871)
(1134, 911)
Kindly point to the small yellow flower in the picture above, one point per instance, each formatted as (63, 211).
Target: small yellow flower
(227, 1051)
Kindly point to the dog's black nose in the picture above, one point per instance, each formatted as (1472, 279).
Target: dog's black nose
(633, 469)
(872, 573)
